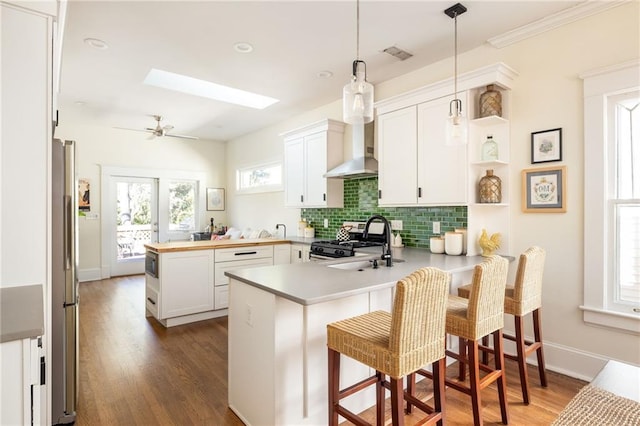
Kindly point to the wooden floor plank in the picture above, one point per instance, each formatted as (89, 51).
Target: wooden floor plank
(135, 371)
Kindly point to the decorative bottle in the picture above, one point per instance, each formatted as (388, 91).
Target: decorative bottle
(490, 187)
(490, 149)
(491, 102)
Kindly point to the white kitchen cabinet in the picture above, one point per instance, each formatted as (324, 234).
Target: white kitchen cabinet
(442, 171)
(416, 167)
(397, 163)
(237, 258)
(309, 152)
(300, 253)
(21, 399)
(186, 283)
(281, 254)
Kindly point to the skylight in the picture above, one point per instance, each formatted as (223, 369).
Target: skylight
(206, 89)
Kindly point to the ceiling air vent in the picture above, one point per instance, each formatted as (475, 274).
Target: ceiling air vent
(397, 53)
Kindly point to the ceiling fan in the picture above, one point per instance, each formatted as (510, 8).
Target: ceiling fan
(160, 131)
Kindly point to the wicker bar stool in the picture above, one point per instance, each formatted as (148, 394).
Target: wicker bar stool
(394, 344)
(473, 318)
(520, 299)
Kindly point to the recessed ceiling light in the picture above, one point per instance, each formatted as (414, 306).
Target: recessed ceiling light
(243, 47)
(206, 89)
(325, 74)
(96, 43)
(80, 103)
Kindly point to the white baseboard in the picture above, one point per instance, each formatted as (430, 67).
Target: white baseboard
(572, 362)
(94, 274)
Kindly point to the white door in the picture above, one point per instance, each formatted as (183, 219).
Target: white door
(134, 215)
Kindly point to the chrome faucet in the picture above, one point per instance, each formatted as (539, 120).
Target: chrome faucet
(278, 225)
(386, 246)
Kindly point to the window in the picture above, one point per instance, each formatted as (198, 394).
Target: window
(612, 197)
(260, 178)
(182, 195)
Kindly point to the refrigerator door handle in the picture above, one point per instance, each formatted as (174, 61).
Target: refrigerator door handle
(68, 234)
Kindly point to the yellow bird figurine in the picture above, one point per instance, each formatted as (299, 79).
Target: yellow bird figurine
(489, 244)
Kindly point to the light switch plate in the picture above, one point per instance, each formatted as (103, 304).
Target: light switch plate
(326, 223)
(396, 225)
(436, 227)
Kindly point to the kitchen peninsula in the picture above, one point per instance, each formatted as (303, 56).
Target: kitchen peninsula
(185, 280)
(277, 331)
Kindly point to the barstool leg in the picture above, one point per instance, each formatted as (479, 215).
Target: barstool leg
(502, 379)
(474, 380)
(397, 399)
(522, 358)
(439, 370)
(379, 399)
(334, 384)
(537, 332)
(462, 351)
(411, 388)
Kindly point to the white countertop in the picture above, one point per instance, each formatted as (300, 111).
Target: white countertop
(314, 282)
(21, 312)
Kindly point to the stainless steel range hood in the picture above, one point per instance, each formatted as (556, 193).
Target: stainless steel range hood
(363, 163)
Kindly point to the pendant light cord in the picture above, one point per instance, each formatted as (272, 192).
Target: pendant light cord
(358, 30)
(455, 55)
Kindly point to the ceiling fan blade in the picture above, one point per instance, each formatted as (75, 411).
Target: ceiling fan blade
(134, 130)
(181, 136)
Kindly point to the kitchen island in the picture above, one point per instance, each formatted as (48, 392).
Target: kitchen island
(185, 280)
(277, 331)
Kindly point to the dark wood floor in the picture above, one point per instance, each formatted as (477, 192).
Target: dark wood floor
(133, 371)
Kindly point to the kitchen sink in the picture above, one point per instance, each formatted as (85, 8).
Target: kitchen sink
(360, 265)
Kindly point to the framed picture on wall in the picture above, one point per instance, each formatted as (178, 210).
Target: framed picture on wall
(215, 198)
(544, 190)
(546, 146)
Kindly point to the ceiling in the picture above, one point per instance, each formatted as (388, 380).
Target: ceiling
(292, 42)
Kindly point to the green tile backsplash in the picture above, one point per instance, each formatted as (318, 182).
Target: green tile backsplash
(361, 202)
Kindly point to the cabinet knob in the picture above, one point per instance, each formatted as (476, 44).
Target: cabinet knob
(324, 197)
(302, 198)
(419, 192)
(379, 194)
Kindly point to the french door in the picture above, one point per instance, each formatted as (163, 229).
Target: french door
(141, 206)
(134, 216)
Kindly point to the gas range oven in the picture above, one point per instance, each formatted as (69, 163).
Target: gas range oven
(333, 249)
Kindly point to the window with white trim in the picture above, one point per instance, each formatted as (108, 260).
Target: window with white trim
(266, 177)
(612, 197)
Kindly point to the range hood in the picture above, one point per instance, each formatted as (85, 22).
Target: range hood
(363, 163)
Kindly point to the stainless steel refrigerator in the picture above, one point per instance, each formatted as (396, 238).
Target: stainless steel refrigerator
(64, 298)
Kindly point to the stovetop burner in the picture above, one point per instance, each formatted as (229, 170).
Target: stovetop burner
(333, 248)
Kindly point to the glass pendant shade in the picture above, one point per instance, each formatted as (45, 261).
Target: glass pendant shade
(456, 124)
(357, 97)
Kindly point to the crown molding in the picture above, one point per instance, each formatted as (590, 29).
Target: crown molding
(582, 10)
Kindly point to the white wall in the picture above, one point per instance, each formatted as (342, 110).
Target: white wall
(100, 146)
(547, 94)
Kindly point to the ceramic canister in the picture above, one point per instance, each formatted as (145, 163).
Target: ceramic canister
(463, 231)
(436, 244)
(453, 243)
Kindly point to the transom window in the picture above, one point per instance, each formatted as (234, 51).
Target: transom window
(265, 177)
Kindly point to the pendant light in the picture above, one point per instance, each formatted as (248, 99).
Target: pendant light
(357, 95)
(456, 125)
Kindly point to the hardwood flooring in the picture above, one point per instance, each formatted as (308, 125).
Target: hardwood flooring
(133, 371)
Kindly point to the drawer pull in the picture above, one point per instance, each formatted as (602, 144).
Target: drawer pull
(151, 300)
(244, 253)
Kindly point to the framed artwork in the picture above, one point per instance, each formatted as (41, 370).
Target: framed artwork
(544, 190)
(84, 197)
(546, 146)
(215, 198)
